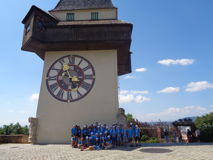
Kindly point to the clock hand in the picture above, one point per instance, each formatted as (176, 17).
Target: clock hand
(72, 78)
(66, 69)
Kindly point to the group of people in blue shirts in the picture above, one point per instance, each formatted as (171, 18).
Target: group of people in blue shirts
(97, 136)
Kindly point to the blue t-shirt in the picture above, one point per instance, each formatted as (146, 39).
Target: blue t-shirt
(109, 141)
(137, 132)
(74, 139)
(118, 130)
(114, 132)
(85, 131)
(102, 139)
(133, 129)
(74, 131)
(125, 133)
(130, 133)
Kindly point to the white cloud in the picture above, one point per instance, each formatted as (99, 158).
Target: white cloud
(133, 92)
(141, 99)
(182, 62)
(141, 70)
(174, 113)
(126, 96)
(129, 77)
(34, 97)
(198, 86)
(139, 92)
(169, 90)
(123, 92)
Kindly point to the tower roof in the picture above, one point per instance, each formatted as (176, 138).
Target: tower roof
(83, 4)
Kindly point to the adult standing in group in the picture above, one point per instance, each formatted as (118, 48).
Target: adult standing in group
(166, 135)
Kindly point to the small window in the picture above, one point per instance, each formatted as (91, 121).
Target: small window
(27, 28)
(94, 16)
(70, 16)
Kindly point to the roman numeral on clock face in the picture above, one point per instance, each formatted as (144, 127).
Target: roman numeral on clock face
(55, 69)
(69, 96)
(72, 60)
(53, 87)
(88, 77)
(60, 93)
(52, 78)
(85, 85)
(86, 68)
(79, 94)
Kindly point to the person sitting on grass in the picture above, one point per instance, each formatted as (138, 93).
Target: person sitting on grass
(74, 141)
(81, 142)
(108, 143)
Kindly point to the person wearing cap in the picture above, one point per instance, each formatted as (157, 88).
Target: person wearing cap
(97, 143)
(137, 135)
(125, 135)
(114, 136)
(102, 141)
(118, 130)
(130, 135)
(85, 131)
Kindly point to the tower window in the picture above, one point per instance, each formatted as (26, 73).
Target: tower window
(94, 16)
(27, 28)
(70, 16)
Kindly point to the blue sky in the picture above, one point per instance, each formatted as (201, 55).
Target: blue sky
(172, 52)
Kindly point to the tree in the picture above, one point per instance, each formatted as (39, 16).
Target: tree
(205, 124)
(129, 118)
(206, 119)
(14, 129)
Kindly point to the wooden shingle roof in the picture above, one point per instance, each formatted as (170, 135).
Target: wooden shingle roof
(64, 5)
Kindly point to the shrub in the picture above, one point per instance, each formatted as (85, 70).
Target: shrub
(145, 138)
(151, 140)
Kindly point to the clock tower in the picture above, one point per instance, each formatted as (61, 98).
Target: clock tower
(85, 48)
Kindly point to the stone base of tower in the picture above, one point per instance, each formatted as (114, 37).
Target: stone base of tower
(56, 118)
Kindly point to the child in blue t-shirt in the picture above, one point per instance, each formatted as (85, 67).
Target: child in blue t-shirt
(108, 143)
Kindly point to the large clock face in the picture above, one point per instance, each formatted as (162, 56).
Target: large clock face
(70, 78)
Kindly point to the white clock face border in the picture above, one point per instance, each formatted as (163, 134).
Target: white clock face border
(70, 78)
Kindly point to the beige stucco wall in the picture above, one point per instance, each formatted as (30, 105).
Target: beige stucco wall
(86, 14)
(55, 118)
